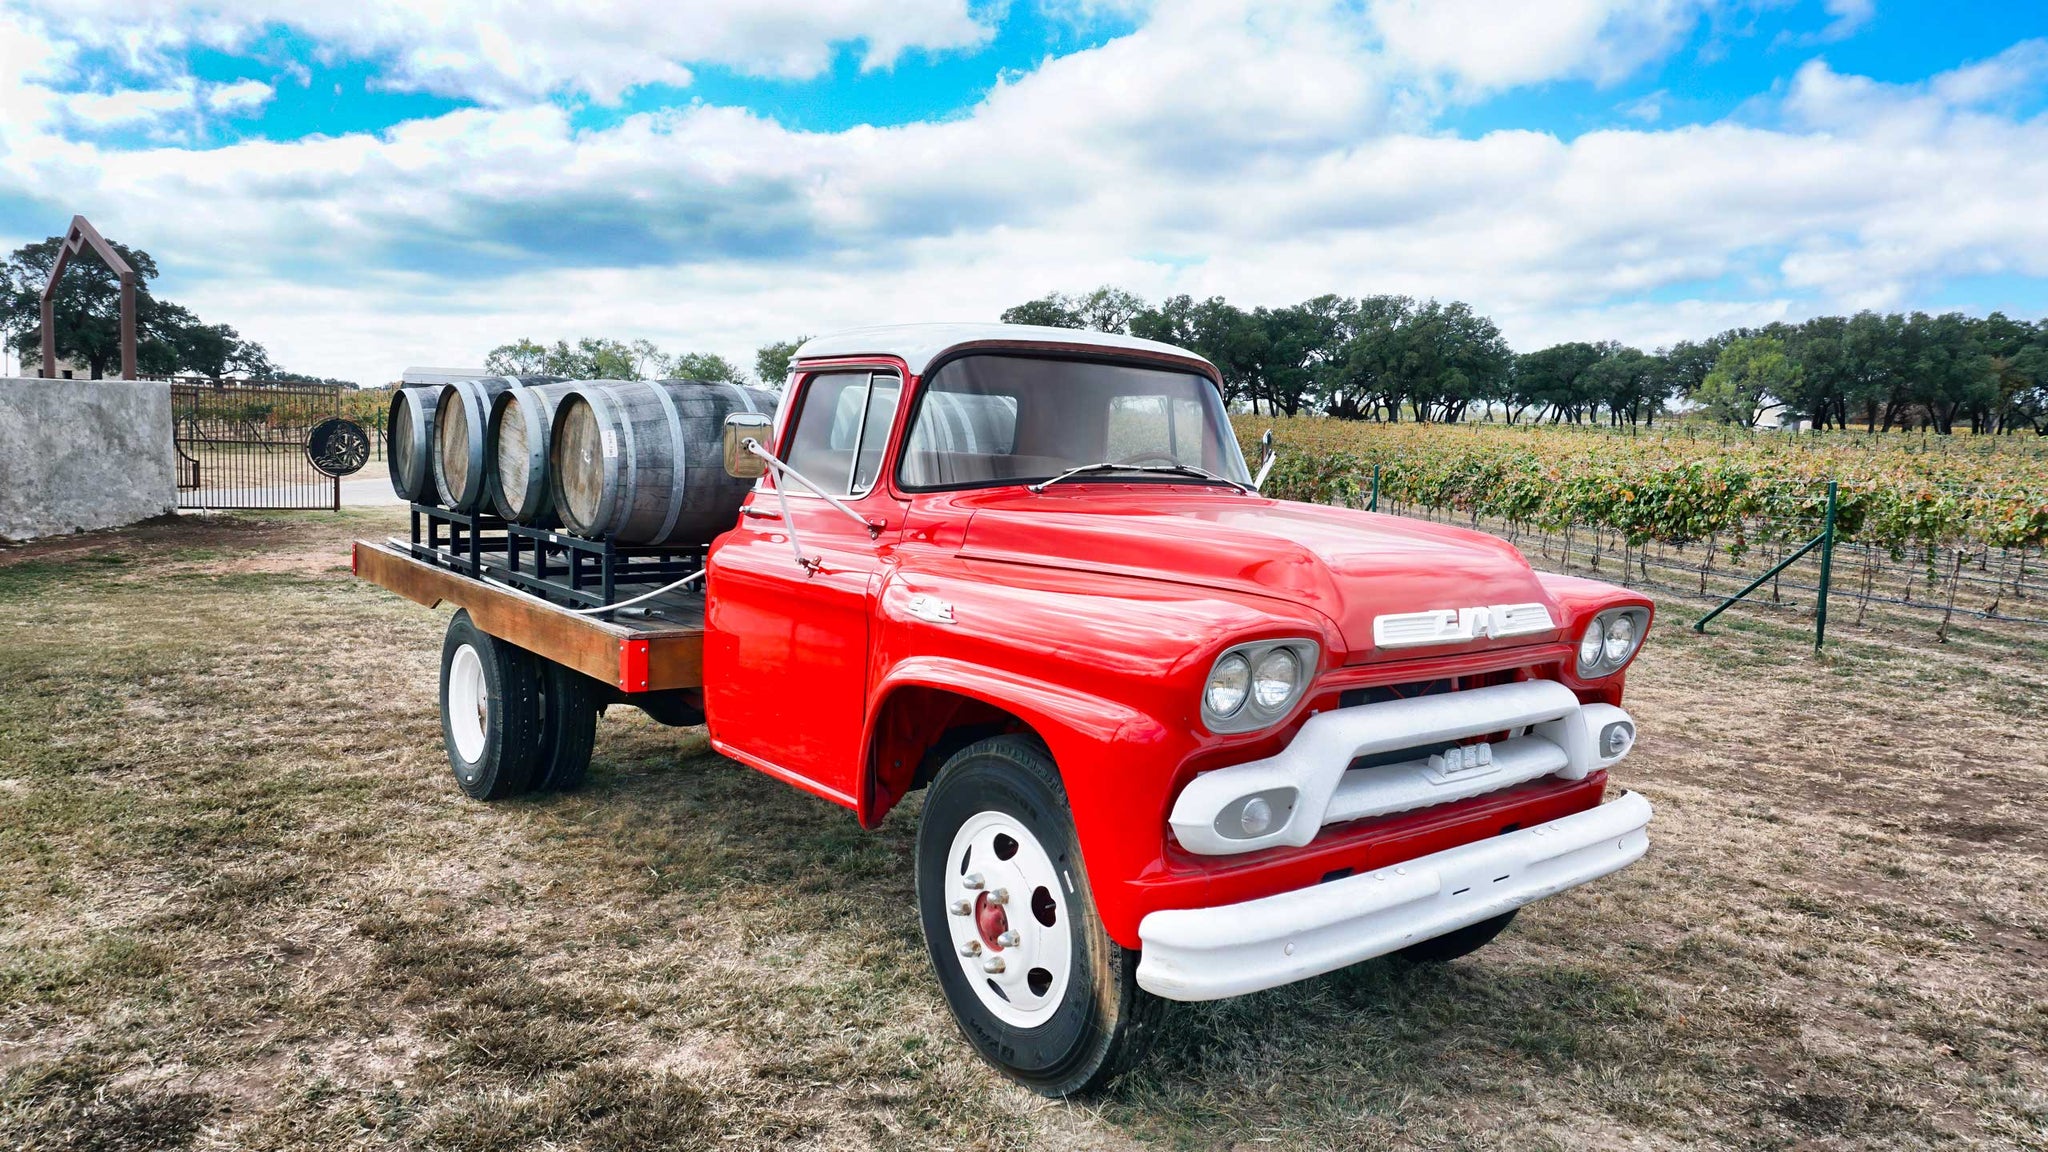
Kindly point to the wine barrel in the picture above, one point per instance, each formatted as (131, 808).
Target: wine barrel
(409, 442)
(462, 466)
(642, 461)
(522, 423)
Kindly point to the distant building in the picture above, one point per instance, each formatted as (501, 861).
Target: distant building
(68, 368)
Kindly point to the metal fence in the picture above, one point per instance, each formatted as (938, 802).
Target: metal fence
(242, 445)
(1965, 593)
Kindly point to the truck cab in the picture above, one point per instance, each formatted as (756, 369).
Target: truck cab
(1178, 740)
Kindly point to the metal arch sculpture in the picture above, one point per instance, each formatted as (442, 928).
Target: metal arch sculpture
(81, 234)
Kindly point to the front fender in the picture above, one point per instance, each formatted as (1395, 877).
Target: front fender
(1118, 815)
(1106, 669)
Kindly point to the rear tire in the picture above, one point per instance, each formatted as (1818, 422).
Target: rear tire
(1035, 983)
(1458, 942)
(568, 728)
(490, 711)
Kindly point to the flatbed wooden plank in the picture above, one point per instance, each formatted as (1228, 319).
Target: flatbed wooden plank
(636, 656)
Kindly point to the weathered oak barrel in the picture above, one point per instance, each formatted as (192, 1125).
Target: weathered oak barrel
(462, 463)
(409, 442)
(642, 462)
(522, 424)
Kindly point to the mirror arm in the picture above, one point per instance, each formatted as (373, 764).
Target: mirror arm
(753, 446)
(1259, 481)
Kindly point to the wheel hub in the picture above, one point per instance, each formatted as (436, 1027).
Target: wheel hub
(992, 921)
(469, 706)
(1007, 912)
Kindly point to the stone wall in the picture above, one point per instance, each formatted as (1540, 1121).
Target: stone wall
(83, 454)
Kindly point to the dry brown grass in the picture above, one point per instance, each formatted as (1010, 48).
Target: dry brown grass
(244, 907)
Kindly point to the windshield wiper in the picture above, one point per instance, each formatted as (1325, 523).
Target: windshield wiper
(1154, 469)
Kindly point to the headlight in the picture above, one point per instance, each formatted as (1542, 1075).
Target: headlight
(1228, 683)
(1610, 639)
(1274, 681)
(1253, 685)
(1621, 639)
(1591, 645)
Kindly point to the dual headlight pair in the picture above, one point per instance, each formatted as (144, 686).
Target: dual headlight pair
(1253, 685)
(1610, 639)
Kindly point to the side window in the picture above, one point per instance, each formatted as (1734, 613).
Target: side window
(842, 430)
(1157, 428)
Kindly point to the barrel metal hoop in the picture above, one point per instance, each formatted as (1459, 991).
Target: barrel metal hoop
(615, 500)
(675, 434)
(538, 448)
(420, 484)
(744, 397)
(474, 490)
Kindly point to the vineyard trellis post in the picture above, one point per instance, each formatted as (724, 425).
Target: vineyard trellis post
(1827, 571)
(1373, 505)
(1826, 543)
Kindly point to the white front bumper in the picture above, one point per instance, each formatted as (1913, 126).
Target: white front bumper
(1210, 953)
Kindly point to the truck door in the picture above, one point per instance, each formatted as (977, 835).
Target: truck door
(786, 644)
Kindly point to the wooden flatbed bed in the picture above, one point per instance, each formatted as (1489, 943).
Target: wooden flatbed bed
(644, 654)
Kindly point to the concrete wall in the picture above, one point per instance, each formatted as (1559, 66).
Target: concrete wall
(82, 454)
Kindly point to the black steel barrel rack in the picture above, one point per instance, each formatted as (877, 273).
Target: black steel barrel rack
(552, 565)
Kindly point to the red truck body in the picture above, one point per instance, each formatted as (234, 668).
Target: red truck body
(856, 648)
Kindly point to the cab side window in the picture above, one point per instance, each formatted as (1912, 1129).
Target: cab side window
(842, 430)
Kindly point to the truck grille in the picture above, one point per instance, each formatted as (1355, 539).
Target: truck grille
(1381, 693)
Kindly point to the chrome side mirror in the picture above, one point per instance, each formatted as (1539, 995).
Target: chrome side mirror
(741, 427)
(1267, 454)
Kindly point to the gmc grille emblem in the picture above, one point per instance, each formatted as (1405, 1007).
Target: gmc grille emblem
(1459, 625)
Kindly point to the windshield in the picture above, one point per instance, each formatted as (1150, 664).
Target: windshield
(988, 419)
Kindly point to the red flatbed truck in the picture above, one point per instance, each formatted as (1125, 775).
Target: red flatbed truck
(1179, 740)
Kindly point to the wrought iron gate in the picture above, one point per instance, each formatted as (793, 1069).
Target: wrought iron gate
(243, 445)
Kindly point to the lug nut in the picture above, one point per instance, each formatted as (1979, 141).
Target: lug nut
(1009, 939)
(971, 948)
(962, 908)
(971, 881)
(992, 965)
(999, 896)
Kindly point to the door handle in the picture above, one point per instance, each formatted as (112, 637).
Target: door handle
(760, 513)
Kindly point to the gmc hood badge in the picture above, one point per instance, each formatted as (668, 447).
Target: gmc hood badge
(928, 607)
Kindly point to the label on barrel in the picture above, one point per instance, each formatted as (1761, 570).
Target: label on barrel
(611, 445)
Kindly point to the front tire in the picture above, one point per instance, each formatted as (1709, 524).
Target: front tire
(1035, 983)
(490, 711)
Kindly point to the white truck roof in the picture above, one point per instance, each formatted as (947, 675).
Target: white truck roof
(917, 345)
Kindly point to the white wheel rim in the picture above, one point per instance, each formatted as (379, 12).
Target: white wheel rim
(997, 908)
(469, 703)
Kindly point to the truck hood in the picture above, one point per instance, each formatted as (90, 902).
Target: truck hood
(1349, 565)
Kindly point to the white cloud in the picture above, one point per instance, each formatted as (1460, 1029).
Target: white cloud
(126, 106)
(1487, 45)
(243, 96)
(1648, 108)
(1227, 147)
(1849, 16)
(513, 51)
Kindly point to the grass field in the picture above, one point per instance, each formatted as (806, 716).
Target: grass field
(245, 907)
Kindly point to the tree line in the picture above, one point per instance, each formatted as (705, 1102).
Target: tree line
(1390, 358)
(601, 358)
(169, 339)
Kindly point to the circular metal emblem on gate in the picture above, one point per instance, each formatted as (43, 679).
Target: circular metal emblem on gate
(337, 446)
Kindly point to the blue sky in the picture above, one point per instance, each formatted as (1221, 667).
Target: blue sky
(383, 184)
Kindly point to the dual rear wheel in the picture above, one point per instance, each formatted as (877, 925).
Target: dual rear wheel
(512, 722)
